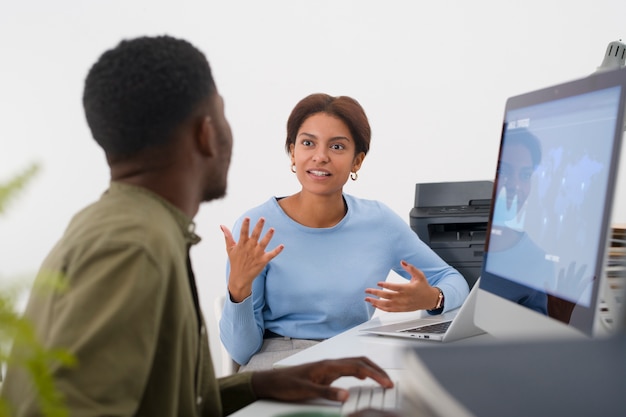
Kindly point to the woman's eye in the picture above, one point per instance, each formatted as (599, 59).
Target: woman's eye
(307, 142)
(337, 146)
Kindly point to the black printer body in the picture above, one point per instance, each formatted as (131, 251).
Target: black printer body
(451, 218)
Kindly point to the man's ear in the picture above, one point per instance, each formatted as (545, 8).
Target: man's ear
(206, 137)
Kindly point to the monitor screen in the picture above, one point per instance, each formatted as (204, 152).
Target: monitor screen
(549, 220)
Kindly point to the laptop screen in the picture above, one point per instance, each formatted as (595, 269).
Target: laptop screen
(552, 197)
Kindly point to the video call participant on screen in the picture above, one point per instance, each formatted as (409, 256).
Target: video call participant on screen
(510, 244)
(130, 313)
(337, 248)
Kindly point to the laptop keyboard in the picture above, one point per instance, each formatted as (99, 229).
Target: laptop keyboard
(371, 396)
(430, 328)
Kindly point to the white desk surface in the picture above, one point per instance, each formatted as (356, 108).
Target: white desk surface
(387, 352)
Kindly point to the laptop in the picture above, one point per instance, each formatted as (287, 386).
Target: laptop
(437, 328)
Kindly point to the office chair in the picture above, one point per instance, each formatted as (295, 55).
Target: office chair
(227, 366)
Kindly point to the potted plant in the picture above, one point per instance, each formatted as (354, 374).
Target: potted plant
(19, 345)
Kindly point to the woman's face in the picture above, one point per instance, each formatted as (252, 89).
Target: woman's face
(516, 169)
(323, 154)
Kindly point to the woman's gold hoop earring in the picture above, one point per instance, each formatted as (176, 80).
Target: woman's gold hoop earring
(293, 168)
(354, 176)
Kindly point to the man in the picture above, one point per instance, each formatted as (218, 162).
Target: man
(130, 314)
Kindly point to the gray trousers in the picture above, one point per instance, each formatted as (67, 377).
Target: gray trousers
(275, 349)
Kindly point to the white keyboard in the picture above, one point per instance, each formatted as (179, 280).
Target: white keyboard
(371, 396)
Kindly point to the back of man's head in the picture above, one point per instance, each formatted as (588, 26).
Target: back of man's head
(139, 92)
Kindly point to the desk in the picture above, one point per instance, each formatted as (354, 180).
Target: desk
(385, 351)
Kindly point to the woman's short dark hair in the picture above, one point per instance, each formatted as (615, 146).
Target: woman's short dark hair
(139, 92)
(345, 108)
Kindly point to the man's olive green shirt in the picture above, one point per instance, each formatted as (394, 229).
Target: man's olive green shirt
(128, 315)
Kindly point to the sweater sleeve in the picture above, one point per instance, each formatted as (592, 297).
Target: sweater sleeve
(241, 331)
(241, 324)
(438, 272)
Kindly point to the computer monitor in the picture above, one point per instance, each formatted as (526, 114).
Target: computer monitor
(549, 219)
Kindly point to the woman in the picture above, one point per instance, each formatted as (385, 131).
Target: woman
(333, 248)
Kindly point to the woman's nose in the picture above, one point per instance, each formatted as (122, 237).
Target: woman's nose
(321, 155)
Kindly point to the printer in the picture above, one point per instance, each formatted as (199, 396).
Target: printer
(451, 218)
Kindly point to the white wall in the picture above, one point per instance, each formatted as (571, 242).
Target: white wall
(432, 76)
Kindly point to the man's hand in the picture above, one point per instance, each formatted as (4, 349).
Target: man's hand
(313, 380)
(572, 281)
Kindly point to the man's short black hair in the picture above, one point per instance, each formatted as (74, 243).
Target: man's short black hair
(139, 92)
